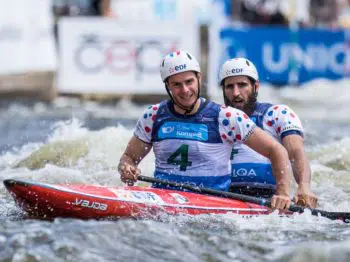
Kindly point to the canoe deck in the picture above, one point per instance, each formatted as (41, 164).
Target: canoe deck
(49, 201)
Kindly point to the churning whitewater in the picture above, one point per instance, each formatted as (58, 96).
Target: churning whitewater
(75, 142)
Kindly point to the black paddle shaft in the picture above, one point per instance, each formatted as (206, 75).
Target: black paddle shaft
(260, 201)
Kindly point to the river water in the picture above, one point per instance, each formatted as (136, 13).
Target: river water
(70, 141)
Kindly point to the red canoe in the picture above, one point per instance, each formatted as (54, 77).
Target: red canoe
(49, 201)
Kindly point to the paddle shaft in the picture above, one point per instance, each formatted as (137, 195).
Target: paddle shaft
(260, 201)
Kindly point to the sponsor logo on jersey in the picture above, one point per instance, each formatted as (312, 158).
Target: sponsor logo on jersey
(243, 172)
(208, 119)
(167, 129)
(181, 130)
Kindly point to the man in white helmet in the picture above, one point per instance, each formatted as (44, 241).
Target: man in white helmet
(252, 172)
(192, 138)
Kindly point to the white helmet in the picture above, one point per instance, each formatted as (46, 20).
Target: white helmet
(238, 67)
(178, 62)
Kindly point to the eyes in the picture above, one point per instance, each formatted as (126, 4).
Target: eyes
(239, 85)
(187, 82)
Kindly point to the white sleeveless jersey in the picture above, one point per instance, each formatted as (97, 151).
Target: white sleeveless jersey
(251, 168)
(194, 149)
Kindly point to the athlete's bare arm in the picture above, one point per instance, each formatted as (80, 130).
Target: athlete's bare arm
(134, 153)
(294, 145)
(264, 144)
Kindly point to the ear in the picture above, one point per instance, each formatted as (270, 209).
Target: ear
(257, 85)
(222, 84)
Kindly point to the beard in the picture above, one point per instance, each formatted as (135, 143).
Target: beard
(247, 106)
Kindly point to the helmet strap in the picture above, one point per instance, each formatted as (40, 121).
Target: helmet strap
(255, 94)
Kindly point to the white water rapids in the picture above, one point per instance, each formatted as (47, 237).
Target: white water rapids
(70, 141)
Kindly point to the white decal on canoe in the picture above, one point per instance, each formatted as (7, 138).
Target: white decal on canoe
(147, 197)
(90, 204)
(122, 194)
(179, 198)
(137, 196)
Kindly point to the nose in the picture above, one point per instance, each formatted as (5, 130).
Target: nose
(235, 91)
(185, 87)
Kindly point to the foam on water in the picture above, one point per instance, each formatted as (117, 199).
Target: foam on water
(74, 153)
(335, 154)
(314, 251)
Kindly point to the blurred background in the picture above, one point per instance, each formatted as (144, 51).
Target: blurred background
(75, 76)
(108, 49)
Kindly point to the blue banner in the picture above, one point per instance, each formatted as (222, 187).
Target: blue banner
(284, 56)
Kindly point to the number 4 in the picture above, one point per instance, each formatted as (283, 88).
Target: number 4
(180, 158)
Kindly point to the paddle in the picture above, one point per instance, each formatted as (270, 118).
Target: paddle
(260, 201)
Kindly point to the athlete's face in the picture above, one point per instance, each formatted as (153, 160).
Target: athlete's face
(239, 92)
(184, 88)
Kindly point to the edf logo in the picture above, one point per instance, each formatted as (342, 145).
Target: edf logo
(180, 67)
(237, 70)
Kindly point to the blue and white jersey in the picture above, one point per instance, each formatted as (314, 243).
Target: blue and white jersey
(195, 148)
(249, 168)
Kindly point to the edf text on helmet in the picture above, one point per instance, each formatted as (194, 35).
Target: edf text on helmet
(180, 67)
(237, 70)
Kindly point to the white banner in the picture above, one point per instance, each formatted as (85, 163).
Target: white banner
(100, 55)
(189, 11)
(217, 48)
(26, 36)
